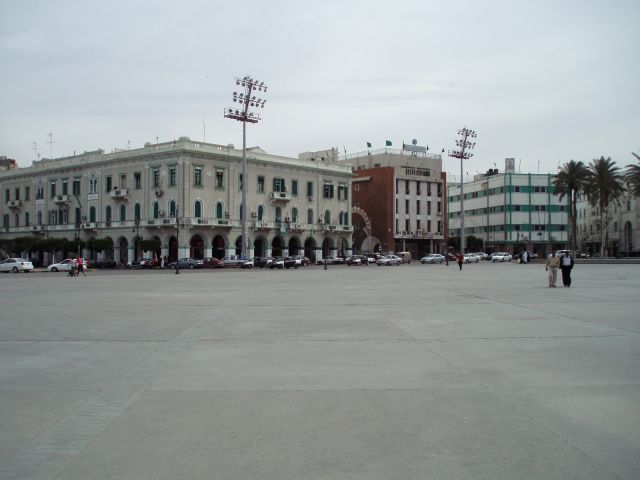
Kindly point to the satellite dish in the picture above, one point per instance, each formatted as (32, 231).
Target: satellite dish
(414, 141)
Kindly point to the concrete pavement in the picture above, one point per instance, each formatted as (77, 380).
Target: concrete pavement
(406, 372)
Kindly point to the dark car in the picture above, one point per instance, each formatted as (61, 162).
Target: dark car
(256, 262)
(357, 260)
(212, 262)
(106, 263)
(187, 263)
(290, 262)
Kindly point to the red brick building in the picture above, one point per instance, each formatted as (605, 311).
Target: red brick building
(398, 202)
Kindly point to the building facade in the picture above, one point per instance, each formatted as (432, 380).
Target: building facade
(294, 205)
(398, 201)
(511, 212)
(621, 220)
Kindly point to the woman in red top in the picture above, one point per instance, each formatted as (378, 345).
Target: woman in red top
(460, 259)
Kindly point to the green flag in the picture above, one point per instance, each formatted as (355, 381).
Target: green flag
(368, 144)
(388, 143)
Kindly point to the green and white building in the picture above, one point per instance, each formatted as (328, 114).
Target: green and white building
(511, 211)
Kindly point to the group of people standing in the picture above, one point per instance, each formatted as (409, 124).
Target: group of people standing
(564, 263)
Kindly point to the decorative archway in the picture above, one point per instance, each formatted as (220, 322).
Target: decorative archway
(239, 245)
(157, 252)
(173, 249)
(294, 246)
(628, 238)
(123, 245)
(310, 248)
(259, 247)
(327, 246)
(219, 246)
(362, 231)
(196, 247)
(276, 247)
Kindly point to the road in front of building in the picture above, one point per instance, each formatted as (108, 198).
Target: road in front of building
(410, 372)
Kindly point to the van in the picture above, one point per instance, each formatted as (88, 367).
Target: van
(404, 256)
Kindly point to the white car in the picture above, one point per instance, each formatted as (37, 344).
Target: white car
(16, 265)
(389, 260)
(501, 257)
(432, 258)
(471, 257)
(63, 266)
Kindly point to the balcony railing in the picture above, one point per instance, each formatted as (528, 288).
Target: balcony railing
(61, 199)
(119, 193)
(263, 225)
(281, 196)
(14, 203)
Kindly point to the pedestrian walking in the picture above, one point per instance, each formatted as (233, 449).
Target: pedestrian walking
(446, 259)
(72, 267)
(80, 266)
(566, 265)
(551, 266)
(460, 259)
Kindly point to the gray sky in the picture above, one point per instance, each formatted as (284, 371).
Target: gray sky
(543, 81)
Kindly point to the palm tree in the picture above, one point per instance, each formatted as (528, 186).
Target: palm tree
(633, 177)
(604, 186)
(570, 181)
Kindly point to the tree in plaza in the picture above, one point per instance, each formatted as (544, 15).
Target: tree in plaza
(474, 244)
(570, 181)
(604, 187)
(632, 177)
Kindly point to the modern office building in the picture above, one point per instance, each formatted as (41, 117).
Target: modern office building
(398, 201)
(511, 211)
(296, 205)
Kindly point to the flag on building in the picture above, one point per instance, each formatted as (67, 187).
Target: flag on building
(368, 144)
(388, 143)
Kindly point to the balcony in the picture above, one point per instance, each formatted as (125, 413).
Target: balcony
(14, 203)
(90, 226)
(119, 193)
(280, 196)
(262, 225)
(61, 199)
(296, 227)
(39, 229)
(225, 223)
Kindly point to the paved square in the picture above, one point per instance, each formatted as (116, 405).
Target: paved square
(407, 372)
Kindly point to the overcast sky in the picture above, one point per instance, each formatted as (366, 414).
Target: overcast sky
(541, 81)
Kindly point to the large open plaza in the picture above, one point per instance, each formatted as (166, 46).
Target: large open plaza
(409, 372)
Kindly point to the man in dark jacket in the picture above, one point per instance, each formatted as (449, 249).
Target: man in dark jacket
(566, 264)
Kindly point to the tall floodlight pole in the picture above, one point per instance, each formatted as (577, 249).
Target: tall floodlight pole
(463, 145)
(246, 99)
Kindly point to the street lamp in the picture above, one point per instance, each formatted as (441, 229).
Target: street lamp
(177, 240)
(136, 222)
(462, 154)
(246, 99)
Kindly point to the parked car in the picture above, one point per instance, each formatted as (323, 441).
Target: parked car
(389, 260)
(357, 260)
(471, 258)
(15, 265)
(302, 260)
(501, 257)
(187, 262)
(290, 262)
(104, 263)
(256, 262)
(276, 262)
(233, 260)
(212, 262)
(63, 266)
(432, 258)
(373, 257)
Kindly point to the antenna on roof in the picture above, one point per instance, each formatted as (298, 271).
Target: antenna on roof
(50, 142)
(35, 150)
